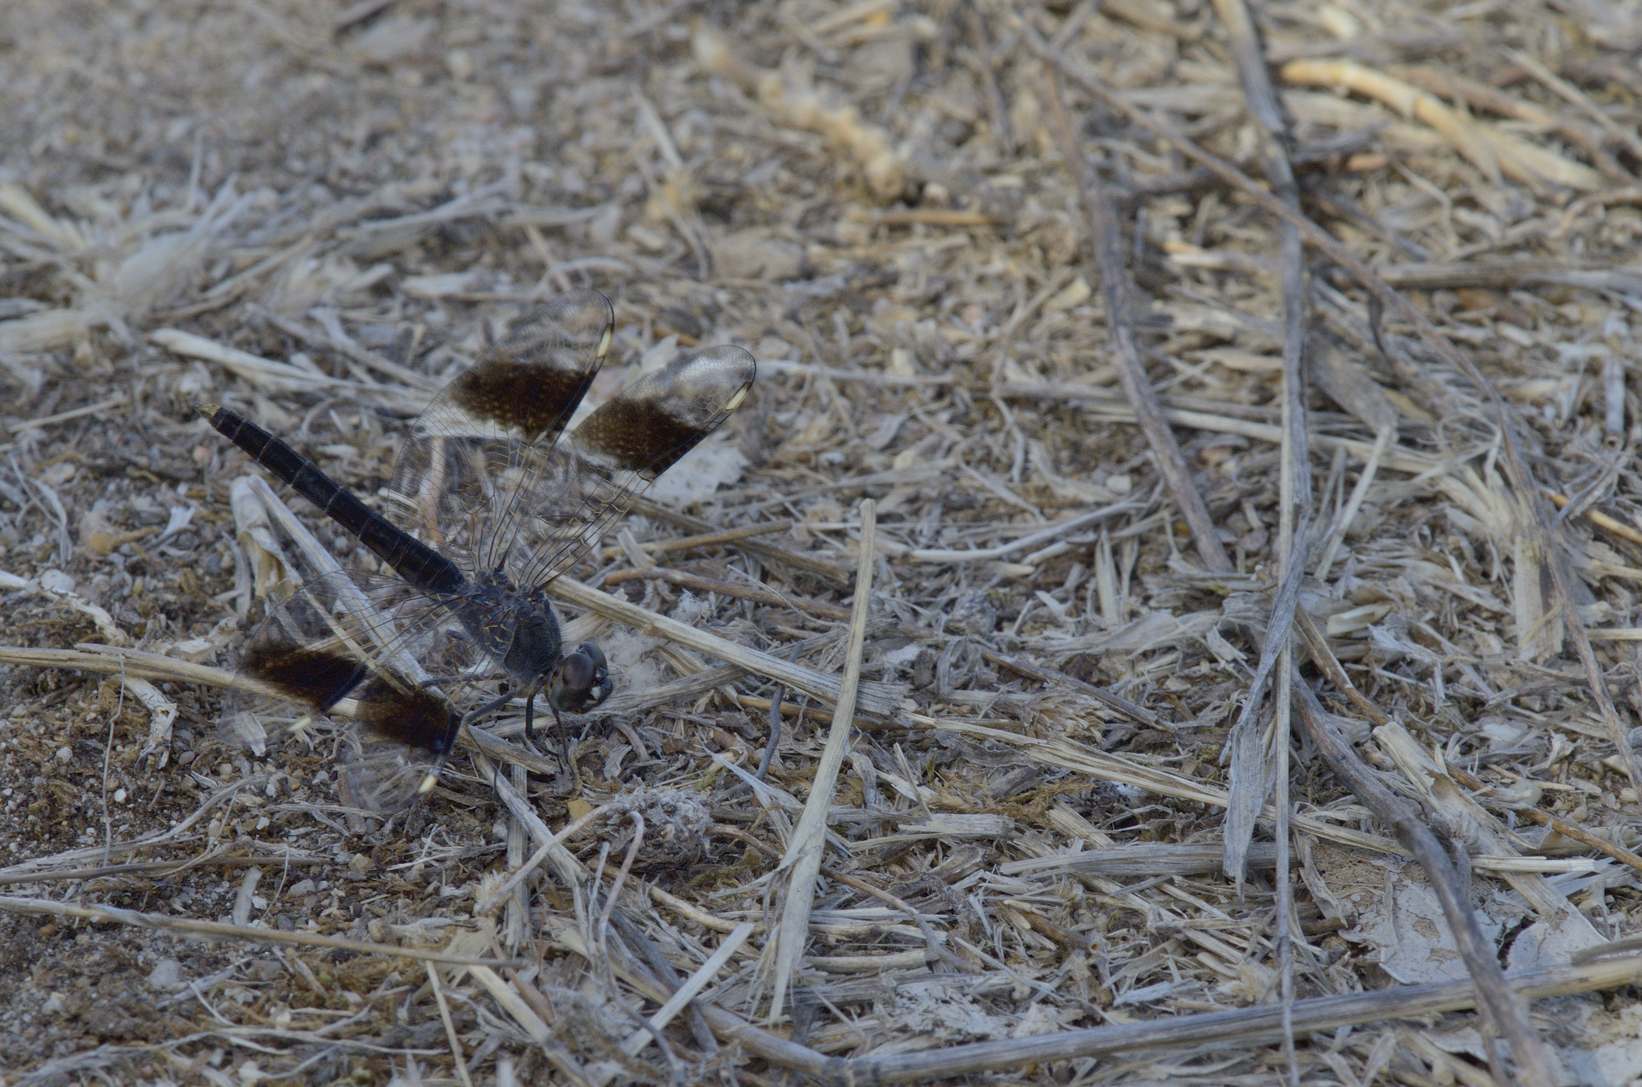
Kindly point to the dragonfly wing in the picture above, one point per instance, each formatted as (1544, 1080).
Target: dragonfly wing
(471, 455)
(591, 477)
(333, 656)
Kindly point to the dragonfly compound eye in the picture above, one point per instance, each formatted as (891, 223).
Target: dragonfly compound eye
(581, 679)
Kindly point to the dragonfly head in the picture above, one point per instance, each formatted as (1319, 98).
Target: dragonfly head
(580, 680)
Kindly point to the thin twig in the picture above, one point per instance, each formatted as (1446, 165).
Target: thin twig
(830, 572)
(774, 741)
(1498, 1002)
(450, 1027)
(1247, 767)
(1239, 1027)
(1106, 254)
(802, 862)
(188, 926)
(876, 698)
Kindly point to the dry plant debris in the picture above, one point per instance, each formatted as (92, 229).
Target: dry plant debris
(1168, 612)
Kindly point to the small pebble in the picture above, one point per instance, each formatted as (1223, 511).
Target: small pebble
(166, 975)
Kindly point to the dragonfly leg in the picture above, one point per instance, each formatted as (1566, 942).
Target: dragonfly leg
(530, 719)
(494, 704)
(566, 745)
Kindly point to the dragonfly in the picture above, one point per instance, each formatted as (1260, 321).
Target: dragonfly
(492, 497)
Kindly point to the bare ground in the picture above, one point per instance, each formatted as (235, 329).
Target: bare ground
(1010, 862)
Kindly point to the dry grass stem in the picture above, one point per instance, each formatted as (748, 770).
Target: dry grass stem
(801, 863)
(1237, 1026)
(1105, 239)
(1491, 150)
(1504, 1007)
(690, 987)
(880, 699)
(450, 1027)
(1251, 754)
(1538, 540)
(108, 915)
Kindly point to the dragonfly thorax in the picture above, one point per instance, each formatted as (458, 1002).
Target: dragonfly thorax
(518, 630)
(536, 639)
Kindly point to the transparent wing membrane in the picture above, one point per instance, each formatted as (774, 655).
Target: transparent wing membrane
(475, 456)
(487, 474)
(324, 659)
(592, 476)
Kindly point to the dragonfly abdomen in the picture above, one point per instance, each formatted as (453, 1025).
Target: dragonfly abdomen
(416, 562)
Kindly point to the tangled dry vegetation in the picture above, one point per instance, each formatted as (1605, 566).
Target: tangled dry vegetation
(1210, 450)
